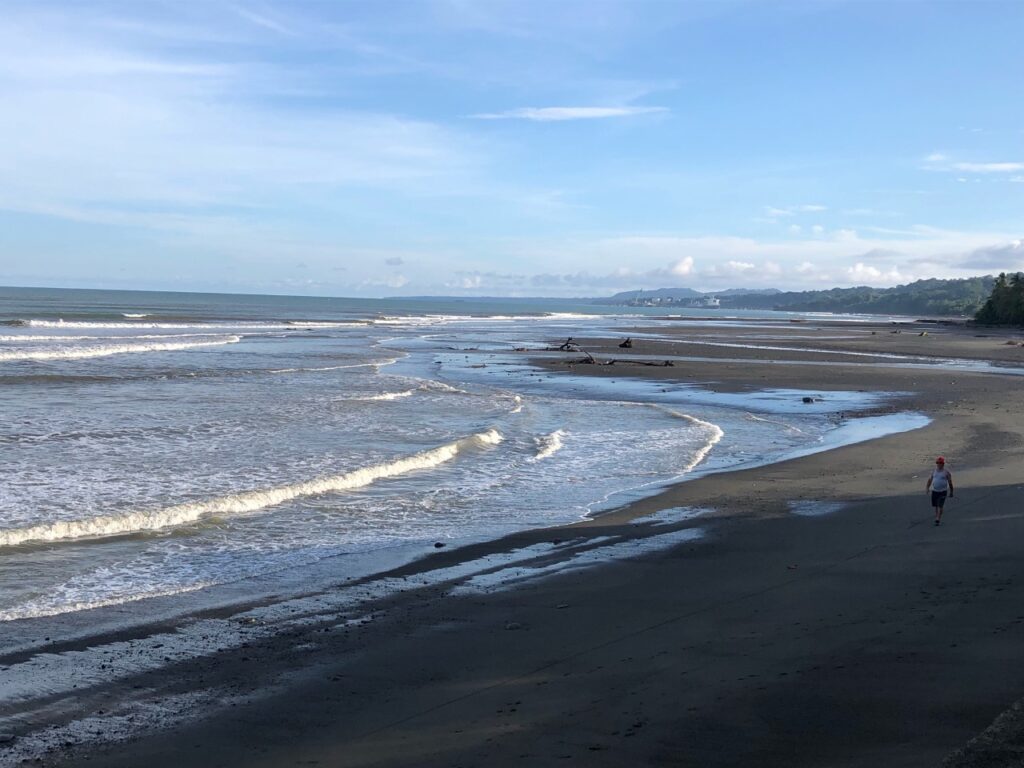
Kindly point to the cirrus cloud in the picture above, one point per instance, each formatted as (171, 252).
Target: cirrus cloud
(558, 114)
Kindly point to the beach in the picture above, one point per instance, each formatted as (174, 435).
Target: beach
(802, 612)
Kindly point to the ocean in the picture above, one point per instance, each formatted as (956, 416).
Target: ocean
(160, 444)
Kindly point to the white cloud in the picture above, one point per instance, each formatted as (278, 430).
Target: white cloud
(728, 262)
(861, 272)
(394, 261)
(172, 140)
(989, 167)
(557, 114)
(731, 268)
(774, 212)
(1008, 257)
(264, 21)
(682, 267)
(817, 229)
(796, 229)
(940, 162)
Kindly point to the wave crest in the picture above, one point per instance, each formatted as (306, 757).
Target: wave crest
(548, 445)
(240, 503)
(78, 353)
(713, 432)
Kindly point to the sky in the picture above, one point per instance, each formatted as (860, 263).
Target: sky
(493, 148)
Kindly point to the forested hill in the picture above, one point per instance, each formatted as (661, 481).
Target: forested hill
(924, 297)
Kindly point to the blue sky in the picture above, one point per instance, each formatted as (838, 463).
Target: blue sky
(508, 148)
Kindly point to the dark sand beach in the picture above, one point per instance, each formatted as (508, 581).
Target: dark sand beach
(861, 637)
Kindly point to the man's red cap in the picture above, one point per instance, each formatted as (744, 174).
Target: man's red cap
(940, 460)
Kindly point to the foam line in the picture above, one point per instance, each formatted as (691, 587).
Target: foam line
(287, 325)
(239, 503)
(77, 353)
(329, 367)
(713, 431)
(548, 445)
(132, 337)
(386, 395)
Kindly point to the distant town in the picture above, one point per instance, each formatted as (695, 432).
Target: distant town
(702, 302)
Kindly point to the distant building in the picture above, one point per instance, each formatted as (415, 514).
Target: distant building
(692, 302)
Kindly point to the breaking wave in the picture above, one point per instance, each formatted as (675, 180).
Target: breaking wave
(387, 395)
(712, 431)
(548, 445)
(76, 353)
(329, 367)
(240, 503)
(440, 386)
(32, 338)
(241, 325)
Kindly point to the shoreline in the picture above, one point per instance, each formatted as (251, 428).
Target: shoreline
(751, 509)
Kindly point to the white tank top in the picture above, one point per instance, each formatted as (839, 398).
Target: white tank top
(939, 481)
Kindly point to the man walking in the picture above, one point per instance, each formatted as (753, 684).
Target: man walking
(940, 484)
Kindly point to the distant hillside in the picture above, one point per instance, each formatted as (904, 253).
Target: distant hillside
(747, 292)
(660, 293)
(924, 297)
(675, 295)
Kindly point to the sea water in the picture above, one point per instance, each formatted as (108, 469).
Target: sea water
(157, 444)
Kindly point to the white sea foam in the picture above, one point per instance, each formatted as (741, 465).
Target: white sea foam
(114, 325)
(514, 575)
(381, 396)
(105, 350)
(789, 427)
(519, 404)
(670, 516)
(548, 445)
(418, 320)
(440, 386)
(390, 395)
(323, 324)
(713, 431)
(48, 605)
(35, 338)
(239, 503)
(135, 314)
(327, 368)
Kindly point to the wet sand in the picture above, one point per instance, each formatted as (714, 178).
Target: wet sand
(862, 637)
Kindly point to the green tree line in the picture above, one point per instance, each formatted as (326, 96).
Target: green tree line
(924, 297)
(1005, 306)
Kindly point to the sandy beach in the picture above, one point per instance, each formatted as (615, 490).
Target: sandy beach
(853, 634)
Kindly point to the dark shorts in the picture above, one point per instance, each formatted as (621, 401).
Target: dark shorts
(939, 498)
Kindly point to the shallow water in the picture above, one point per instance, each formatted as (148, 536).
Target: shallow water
(158, 444)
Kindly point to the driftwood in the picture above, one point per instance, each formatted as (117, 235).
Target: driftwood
(627, 344)
(589, 359)
(664, 364)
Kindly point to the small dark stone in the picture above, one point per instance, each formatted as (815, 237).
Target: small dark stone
(439, 544)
